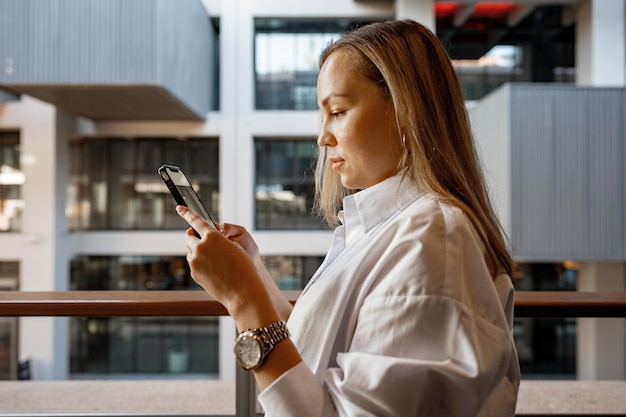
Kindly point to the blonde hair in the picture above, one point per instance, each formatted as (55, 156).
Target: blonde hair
(411, 67)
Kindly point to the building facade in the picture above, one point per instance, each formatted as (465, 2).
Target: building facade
(96, 95)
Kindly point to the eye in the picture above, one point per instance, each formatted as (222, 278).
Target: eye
(337, 113)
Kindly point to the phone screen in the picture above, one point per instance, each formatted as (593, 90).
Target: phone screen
(183, 192)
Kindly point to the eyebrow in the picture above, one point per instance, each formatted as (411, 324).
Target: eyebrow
(332, 95)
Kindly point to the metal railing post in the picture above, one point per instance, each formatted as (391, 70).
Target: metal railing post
(245, 393)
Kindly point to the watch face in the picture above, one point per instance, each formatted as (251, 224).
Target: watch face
(248, 351)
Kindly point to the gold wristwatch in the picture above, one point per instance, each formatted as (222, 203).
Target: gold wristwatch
(253, 346)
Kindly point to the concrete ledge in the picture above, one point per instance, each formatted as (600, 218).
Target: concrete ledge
(571, 398)
(163, 397)
(217, 398)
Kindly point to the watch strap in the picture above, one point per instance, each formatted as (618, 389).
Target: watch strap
(275, 332)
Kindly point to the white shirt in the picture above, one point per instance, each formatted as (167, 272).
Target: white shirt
(402, 318)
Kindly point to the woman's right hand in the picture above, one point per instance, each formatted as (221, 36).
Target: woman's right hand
(210, 262)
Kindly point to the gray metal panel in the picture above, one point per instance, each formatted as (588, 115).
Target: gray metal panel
(606, 174)
(568, 191)
(109, 59)
(185, 43)
(570, 171)
(530, 156)
(78, 41)
(491, 121)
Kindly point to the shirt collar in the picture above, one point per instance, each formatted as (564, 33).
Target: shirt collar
(368, 208)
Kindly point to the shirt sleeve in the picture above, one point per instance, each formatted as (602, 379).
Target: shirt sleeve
(295, 393)
(431, 356)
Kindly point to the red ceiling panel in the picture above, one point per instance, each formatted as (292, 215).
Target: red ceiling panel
(446, 8)
(492, 10)
(482, 9)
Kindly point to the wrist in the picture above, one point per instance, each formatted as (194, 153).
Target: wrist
(252, 309)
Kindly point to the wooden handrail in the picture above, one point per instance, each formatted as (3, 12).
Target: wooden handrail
(570, 304)
(198, 303)
(112, 303)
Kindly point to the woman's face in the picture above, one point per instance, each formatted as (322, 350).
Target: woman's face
(359, 128)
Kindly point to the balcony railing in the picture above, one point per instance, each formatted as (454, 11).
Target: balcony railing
(198, 303)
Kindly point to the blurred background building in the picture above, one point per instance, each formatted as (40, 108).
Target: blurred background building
(95, 95)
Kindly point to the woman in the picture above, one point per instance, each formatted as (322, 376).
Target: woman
(410, 313)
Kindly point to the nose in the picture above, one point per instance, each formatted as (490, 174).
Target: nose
(325, 137)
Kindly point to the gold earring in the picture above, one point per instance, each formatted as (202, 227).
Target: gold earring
(404, 147)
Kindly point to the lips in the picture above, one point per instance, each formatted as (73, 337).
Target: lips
(335, 163)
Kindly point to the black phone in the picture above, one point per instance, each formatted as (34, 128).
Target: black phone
(183, 192)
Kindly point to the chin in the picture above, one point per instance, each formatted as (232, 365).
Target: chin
(347, 184)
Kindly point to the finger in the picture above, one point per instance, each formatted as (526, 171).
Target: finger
(194, 220)
(226, 229)
(232, 230)
(191, 244)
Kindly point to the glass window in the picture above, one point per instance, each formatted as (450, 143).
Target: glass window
(488, 51)
(11, 180)
(292, 272)
(286, 54)
(285, 186)
(502, 64)
(215, 60)
(114, 186)
(135, 346)
(547, 345)
(9, 275)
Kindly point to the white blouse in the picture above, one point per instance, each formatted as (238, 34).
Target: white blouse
(402, 318)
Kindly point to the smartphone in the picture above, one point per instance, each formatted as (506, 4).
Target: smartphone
(182, 191)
